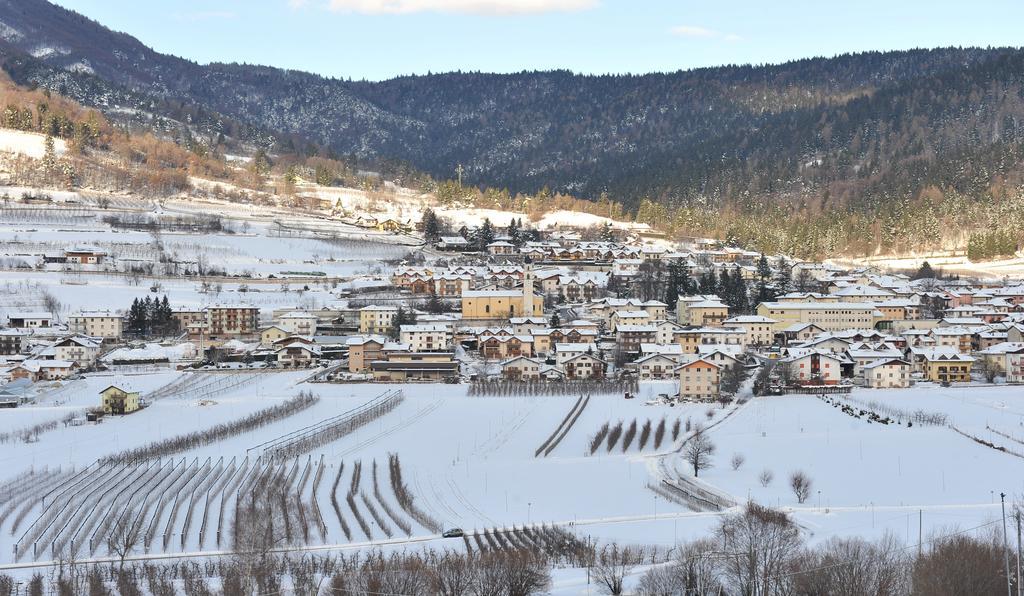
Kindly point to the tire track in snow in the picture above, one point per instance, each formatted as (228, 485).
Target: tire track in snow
(416, 417)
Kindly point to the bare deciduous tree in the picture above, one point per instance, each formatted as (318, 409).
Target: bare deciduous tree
(698, 452)
(765, 477)
(125, 536)
(613, 564)
(761, 542)
(801, 485)
(737, 461)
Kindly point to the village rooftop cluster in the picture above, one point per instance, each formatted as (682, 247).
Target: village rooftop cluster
(546, 307)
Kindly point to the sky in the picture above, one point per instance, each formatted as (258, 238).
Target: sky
(381, 39)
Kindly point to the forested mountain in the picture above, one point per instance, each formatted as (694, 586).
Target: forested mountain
(857, 151)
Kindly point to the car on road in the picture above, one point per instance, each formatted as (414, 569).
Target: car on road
(453, 533)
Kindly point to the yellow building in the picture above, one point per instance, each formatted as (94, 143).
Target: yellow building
(376, 318)
(829, 316)
(503, 304)
(942, 367)
(269, 335)
(118, 401)
(706, 313)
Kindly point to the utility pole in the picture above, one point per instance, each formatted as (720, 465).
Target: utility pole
(1016, 514)
(1006, 552)
(920, 526)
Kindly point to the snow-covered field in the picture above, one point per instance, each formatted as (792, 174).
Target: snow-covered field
(470, 461)
(29, 144)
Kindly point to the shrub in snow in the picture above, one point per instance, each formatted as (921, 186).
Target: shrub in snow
(598, 438)
(645, 434)
(765, 477)
(627, 439)
(737, 461)
(613, 436)
(659, 434)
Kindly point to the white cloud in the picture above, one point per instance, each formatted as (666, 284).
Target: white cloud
(482, 7)
(695, 32)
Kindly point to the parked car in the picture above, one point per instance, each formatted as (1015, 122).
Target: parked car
(453, 533)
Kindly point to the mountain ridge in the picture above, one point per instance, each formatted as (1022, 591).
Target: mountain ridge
(869, 136)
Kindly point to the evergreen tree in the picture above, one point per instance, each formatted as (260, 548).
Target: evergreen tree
(727, 288)
(765, 291)
(148, 315)
(607, 233)
(513, 232)
(136, 318)
(400, 318)
(784, 277)
(49, 155)
(673, 287)
(925, 272)
(484, 235)
(708, 282)
(431, 226)
(166, 319)
(741, 293)
(556, 321)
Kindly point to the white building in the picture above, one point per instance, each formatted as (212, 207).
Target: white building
(890, 373)
(298, 323)
(78, 349)
(426, 337)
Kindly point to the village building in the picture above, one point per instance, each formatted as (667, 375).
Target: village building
(947, 367)
(403, 366)
(566, 351)
(296, 352)
(814, 368)
(97, 323)
(502, 304)
(43, 370)
(271, 334)
(426, 337)
(84, 255)
(30, 320)
(81, 350)
(117, 401)
(298, 322)
(698, 379)
(1015, 367)
(501, 247)
(706, 313)
(526, 325)
(757, 330)
(829, 316)
(499, 347)
(363, 350)
(521, 368)
(453, 243)
(891, 373)
(12, 341)
(656, 367)
(628, 317)
(238, 320)
(584, 366)
(191, 321)
(629, 337)
(377, 319)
